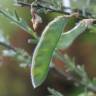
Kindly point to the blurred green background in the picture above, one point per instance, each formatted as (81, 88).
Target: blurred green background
(16, 81)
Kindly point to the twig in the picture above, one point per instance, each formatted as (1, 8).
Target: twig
(23, 4)
(19, 22)
(7, 46)
(38, 5)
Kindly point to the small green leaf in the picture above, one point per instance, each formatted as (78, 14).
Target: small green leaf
(16, 15)
(44, 51)
(67, 38)
(54, 92)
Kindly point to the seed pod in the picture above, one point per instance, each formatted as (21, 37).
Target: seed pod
(68, 38)
(44, 51)
(49, 42)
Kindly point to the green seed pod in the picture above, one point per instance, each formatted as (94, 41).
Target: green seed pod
(68, 38)
(45, 49)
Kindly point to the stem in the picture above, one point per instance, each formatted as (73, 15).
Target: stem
(39, 5)
(23, 4)
(7, 46)
(20, 23)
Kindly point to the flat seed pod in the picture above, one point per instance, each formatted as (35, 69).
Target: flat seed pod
(45, 49)
(68, 38)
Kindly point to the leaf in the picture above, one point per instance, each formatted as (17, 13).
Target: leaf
(19, 22)
(16, 15)
(45, 48)
(54, 92)
(68, 38)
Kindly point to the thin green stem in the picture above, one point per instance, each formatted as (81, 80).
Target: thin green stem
(19, 22)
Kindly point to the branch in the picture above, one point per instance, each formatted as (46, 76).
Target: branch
(7, 46)
(37, 5)
(19, 22)
(21, 55)
(52, 9)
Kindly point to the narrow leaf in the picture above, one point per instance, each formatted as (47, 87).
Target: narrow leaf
(45, 48)
(16, 15)
(54, 92)
(67, 38)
